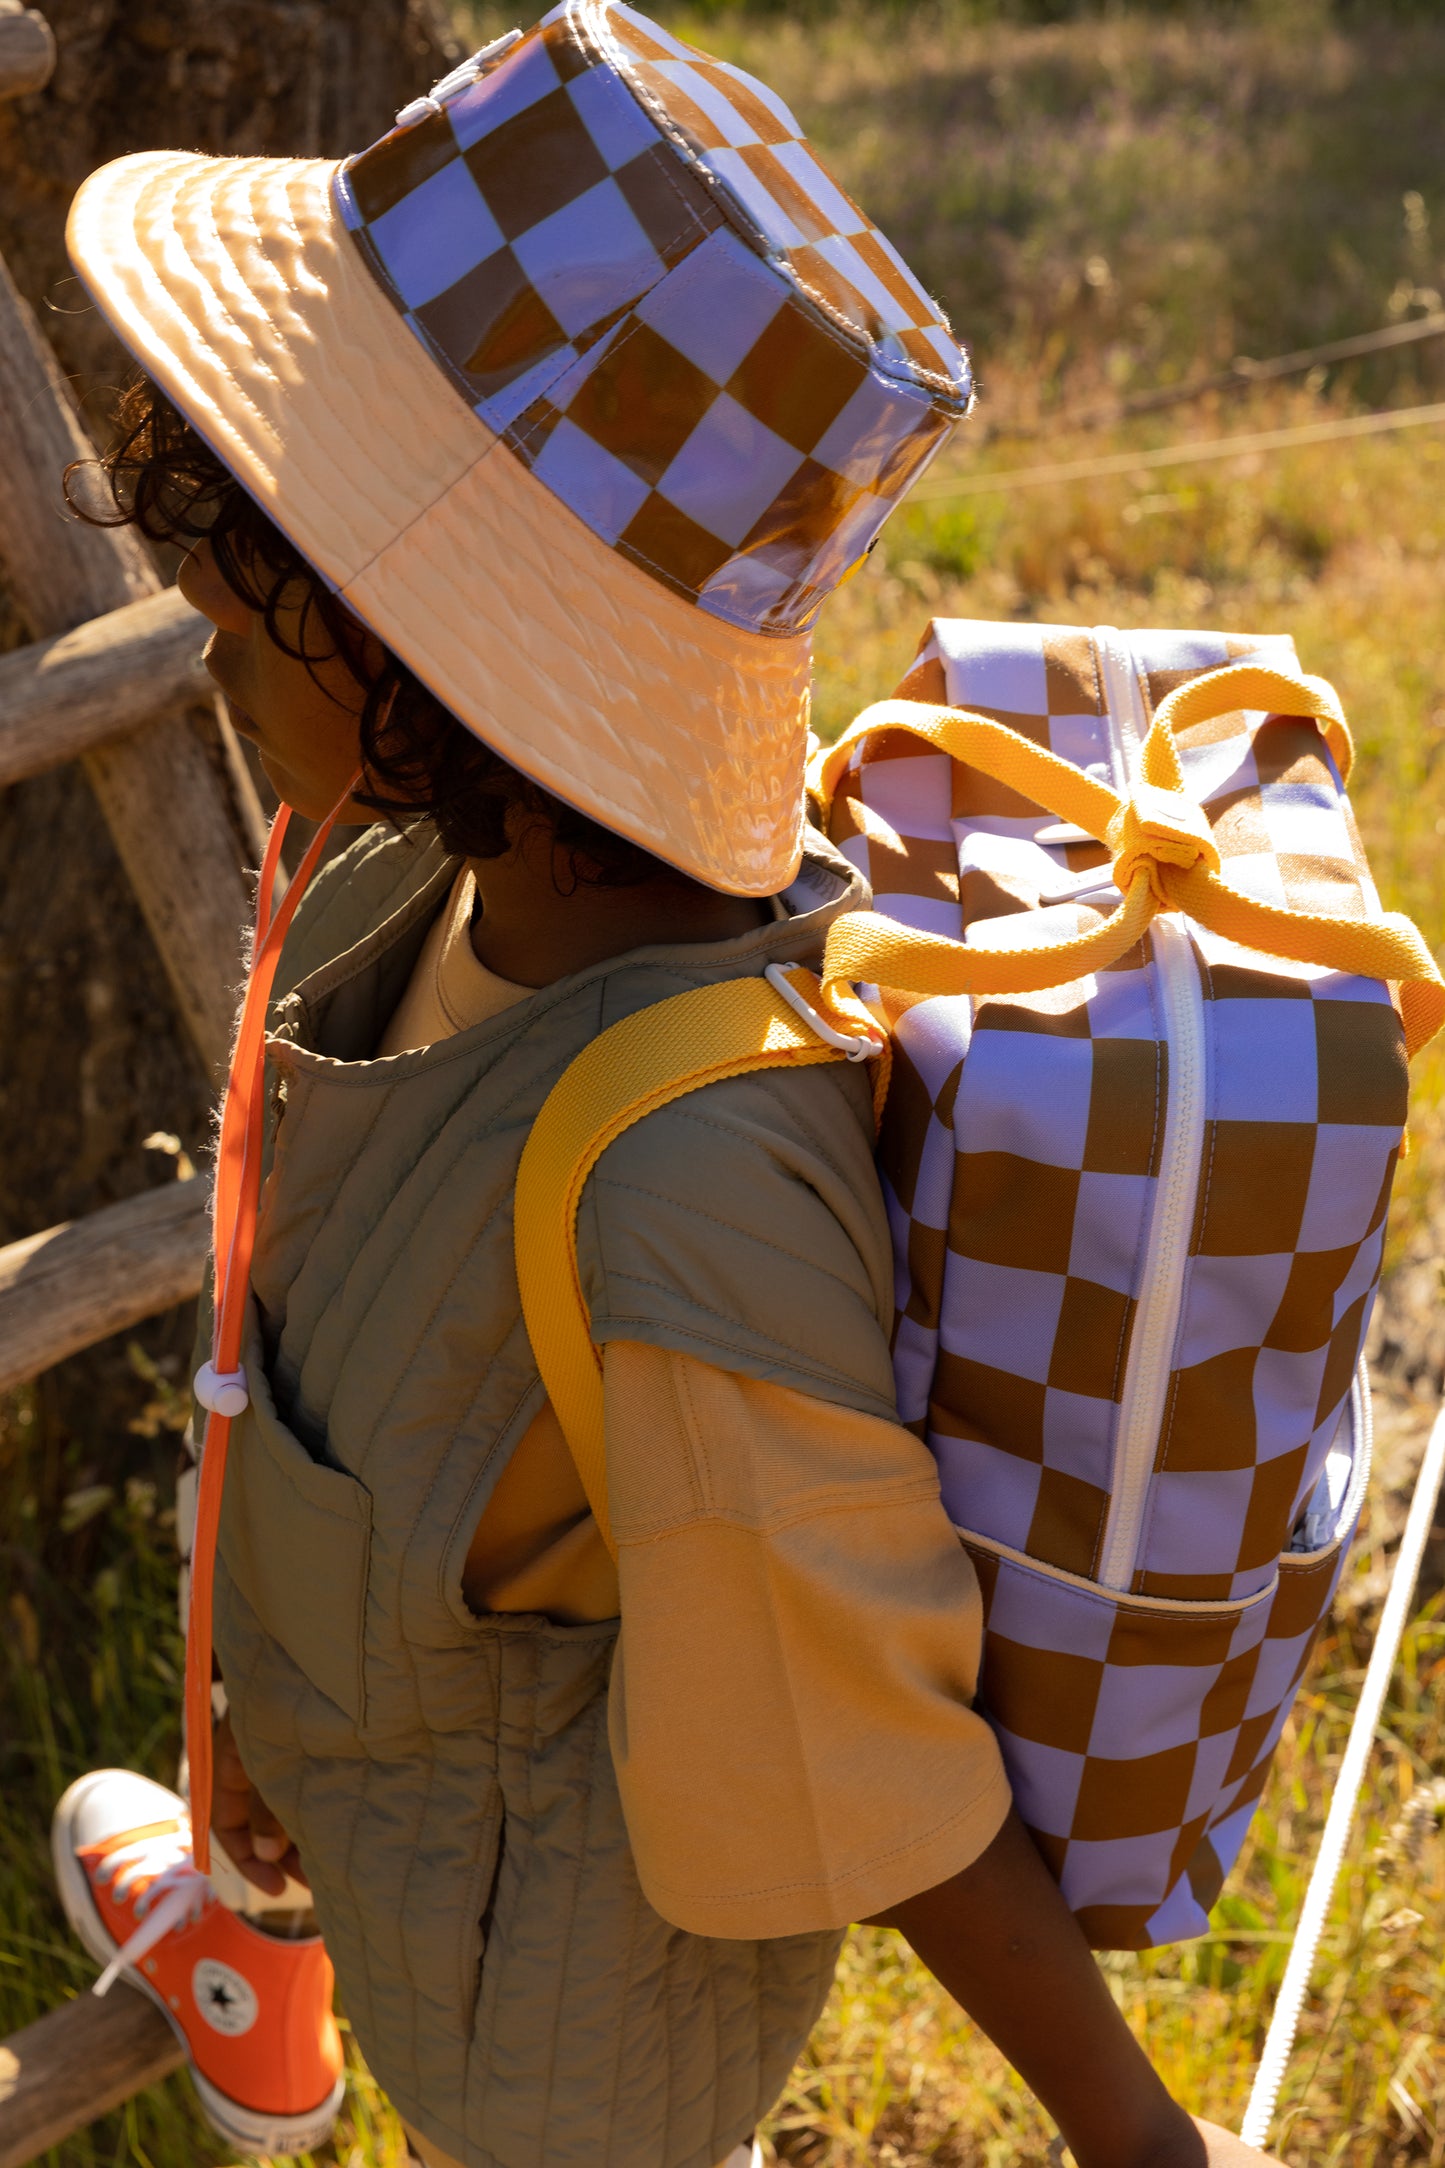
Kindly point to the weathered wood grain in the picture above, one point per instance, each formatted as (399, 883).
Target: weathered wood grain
(60, 698)
(76, 1283)
(162, 790)
(76, 2062)
(27, 51)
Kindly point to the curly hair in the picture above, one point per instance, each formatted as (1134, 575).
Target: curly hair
(419, 763)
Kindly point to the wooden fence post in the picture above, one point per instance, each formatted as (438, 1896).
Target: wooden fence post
(111, 667)
(163, 792)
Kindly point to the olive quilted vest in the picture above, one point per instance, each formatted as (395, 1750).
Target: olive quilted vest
(446, 1776)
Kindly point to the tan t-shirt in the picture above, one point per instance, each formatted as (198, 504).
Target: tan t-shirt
(537, 1547)
(790, 1708)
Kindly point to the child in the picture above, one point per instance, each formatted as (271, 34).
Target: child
(515, 459)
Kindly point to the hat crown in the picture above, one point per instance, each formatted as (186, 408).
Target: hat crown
(773, 185)
(629, 261)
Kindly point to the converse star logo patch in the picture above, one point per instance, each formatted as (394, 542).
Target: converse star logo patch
(224, 1998)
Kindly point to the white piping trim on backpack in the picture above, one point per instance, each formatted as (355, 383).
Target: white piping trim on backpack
(1150, 1361)
(858, 1046)
(1176, 1184)
(1186, 1609)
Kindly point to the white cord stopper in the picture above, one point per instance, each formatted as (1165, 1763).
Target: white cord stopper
(222, 1391)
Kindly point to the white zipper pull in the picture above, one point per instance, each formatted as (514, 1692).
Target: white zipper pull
(1094, 881)
(858, 1046)
(1124, 699)
(1062, 832)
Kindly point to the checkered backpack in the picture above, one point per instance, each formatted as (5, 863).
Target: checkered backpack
(1147, 1093)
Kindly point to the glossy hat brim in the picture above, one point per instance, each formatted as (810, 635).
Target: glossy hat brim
(239, 292)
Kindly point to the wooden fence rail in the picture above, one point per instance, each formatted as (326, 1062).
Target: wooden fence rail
(27, 50)
(74, 1284)
(63, 697)
(75, 2064)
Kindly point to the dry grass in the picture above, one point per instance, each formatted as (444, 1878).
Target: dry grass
(1102, 204)
(1116, 201)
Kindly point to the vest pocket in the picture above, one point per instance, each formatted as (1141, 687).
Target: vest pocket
(295, 1537)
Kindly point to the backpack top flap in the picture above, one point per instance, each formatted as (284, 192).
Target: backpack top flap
(1139, 1218)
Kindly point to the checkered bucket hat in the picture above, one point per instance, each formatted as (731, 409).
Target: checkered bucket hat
(583, 387)
(1138, 1221)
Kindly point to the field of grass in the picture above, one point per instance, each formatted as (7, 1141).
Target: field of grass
(1104, 205)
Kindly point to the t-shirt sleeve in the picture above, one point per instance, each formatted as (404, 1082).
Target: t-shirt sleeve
(790, 1710)
(744, 1224)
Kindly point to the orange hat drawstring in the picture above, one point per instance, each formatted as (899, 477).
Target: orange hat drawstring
(220, 1383)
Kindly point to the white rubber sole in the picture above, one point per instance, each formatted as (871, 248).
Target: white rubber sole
(250, 2130)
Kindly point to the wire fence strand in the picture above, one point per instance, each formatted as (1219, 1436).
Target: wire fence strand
(1241, 375)
(932, 489)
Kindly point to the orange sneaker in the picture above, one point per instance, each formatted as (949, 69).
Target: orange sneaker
(253, 2011)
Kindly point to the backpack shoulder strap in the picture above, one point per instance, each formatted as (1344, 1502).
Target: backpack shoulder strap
(642, 1063)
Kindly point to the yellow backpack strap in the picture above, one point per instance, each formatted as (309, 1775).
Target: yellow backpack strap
(646, 1061)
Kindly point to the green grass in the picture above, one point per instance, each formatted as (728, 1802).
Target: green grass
(1103, 204)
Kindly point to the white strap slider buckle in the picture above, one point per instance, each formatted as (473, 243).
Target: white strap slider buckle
(858, 1046)
(223, 1392)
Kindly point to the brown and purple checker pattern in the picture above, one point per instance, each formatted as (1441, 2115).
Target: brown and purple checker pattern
(1021, 1152)
(636, 271)
(1138, 1734)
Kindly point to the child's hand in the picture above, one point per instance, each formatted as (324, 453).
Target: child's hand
(242, 1823)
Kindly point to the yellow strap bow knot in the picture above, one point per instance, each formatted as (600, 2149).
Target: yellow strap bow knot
(1155, 828)
(1164, 852)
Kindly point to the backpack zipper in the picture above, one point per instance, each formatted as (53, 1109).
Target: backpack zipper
(1176, 1186)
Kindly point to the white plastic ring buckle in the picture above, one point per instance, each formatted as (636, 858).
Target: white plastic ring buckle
(858, 1046)
(223, 1392)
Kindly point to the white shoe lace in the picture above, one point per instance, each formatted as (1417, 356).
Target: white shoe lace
(176, 1895)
